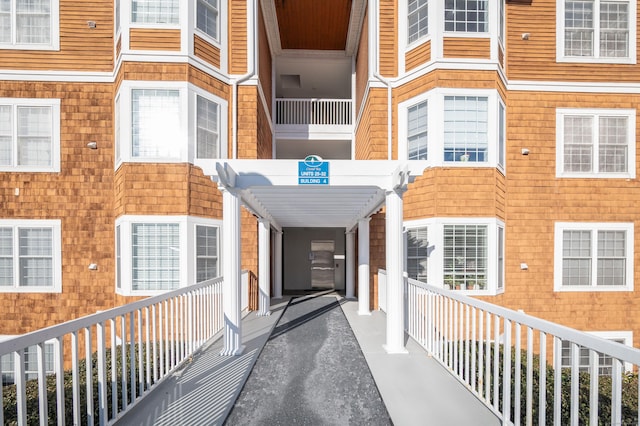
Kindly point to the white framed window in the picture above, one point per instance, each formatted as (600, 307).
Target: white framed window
(596, 30)
(155, 12)
(466, 16)
(8, 368)
(597, 143)
(29, 25)
(168, 122)
(593, 256)
(453, 127)
(417, 20)
(605, 362)
(464, 254)
(30, 256)
(207, 18)
(160, 253)
(29, 135)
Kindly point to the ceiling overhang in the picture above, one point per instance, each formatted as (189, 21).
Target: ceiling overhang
(270, 189)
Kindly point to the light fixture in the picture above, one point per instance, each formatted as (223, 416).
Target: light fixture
(524, 266)
(93, 266)
(525, 36)
(525, 151)
(91, 24)
(92, 145)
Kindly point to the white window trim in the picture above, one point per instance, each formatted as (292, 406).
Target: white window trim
(625, 335)
(212, 223)
(435, 259)
(127, 13)
(435, 126)
(187, 238)
(55, 32)
(630, 114)
(593, 227)
(56, 248)
(188, 122)
(54, 104)
(492, 29)
(560, 56)
(213, 40)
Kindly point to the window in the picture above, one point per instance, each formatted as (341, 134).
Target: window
(207, 133)
(466, 16)
(155, 11)
(29, 135)
(30, 256)
(605, 362)
(594, 257)
(207, 17)
(7, 363)
(465, 128)
(155, 123)
(501, 134)
(417, 131)
(599, 143)
(466, 254)
(417, 253)
(159, 253)
(596, 29)
(417, 19)
(206, 253)
(29, 24)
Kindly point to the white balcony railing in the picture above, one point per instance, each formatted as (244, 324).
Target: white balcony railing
(140, 343)
(471, 337)
(321, 112)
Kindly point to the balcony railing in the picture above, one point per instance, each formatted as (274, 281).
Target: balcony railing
(322, 112)
(514, 362)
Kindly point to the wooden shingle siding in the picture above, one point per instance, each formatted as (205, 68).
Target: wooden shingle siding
(248, 106)
(81, 48)
(154, 39)
(371, 134)
(463, 47)
(118, 47)
(418, 56)
(206, 51)
(237, 37)
(388, 39)
(154, 71)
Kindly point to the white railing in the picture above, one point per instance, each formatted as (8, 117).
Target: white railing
(314, 112)
(131, 348)
(470, 338)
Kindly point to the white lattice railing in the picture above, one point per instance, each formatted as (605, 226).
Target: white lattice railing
(314, 112)
(470, 337)
(132, 348)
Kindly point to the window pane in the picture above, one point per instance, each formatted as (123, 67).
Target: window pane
(417, 252)
(206, 252)
(578, 21)
(465, 256)
(466, 15)
(578, 143)
(155, 11)
(207, 129)
(501, 134)
(500, 257)
(34, 136)
(611, 258)
(6, 135)
(417, 132)
(207, 17)
(418, 19)
(35, 250)
(613, 144)
(5, 21)
(465, 128)
(156, 123)
(576, 258)
(614, 29)
(33, 21)
(155, 256)
(6, 257)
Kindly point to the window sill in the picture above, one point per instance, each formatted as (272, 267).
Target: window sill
(599, 289)
(50, 289)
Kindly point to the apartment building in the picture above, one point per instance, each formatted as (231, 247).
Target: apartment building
(510, 124)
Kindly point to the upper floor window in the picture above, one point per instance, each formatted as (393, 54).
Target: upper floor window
(466, 16)
(207, 13)
(466, 128)
(417, 131)
(29, 135)
(30, 256)
(155, 11)
(593, 257)
(417, 20)
(29, 24)
(595, 143)
(155, 123)
(596, 29)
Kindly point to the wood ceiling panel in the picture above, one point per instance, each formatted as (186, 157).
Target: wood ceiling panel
(313, 24)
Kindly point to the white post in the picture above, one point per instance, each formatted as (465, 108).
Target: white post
(351, 270)
(231, 293)
(363, 266)
(395, 278)
(264, 270)
(277, 264)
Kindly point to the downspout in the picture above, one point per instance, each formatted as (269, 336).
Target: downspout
(383, 80)
(252, 36)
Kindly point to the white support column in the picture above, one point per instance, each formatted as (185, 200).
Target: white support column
(264, 271)
(351, 270)
(395, 278)
(363, 266)
(231, 291)
(277, 264)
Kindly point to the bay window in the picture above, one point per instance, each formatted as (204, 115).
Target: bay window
(207, 13)
(466, 16)
(417, 20)
(155, 11)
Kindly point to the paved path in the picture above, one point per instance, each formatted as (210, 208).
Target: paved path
(311, 372)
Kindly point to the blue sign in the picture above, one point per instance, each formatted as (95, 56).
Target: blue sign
(313, 171)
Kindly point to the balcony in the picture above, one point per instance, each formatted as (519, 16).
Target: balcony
(160, 358)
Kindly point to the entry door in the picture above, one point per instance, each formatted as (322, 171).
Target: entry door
(322, 270)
